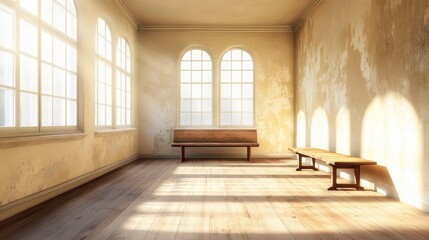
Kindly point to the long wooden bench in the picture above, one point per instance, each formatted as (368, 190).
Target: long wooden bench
(215, 138)
(336, 161)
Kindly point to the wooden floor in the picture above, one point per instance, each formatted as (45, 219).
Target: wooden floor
(208, 199)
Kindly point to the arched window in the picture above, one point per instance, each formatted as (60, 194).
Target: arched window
(123, 83)
(196, 89)
(236, 89)
(38, 65)
(103, 89)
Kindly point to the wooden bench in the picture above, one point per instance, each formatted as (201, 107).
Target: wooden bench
(215, 138)
(336, 161)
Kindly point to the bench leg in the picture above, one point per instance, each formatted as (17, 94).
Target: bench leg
(182, 153)
(249, 154)
(336, 185)
(300, 166)
(333, 178)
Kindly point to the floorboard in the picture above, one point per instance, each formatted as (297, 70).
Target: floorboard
(217, 199)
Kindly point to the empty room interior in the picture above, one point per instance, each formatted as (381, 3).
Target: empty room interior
(215, 119)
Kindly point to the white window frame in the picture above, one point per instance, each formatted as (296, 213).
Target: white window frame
(123, 85)
(192, 106)
(36, 19)
(246, 64)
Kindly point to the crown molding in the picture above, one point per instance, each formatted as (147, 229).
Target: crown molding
(127, 13)
(305, 13)
(218, 28)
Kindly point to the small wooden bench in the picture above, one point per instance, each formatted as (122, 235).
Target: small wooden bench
(336, 161)
(215, 138)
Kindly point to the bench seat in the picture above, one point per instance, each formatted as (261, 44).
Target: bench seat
(215, 138)
(336, 161)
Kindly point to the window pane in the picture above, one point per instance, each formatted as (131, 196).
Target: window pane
(59, 113)
(236, 90)
(236, 54)
(59, 82)
(247, 65)
(225, 76)
(101, 93)
(247, 76)
(101, 71)
(47, 111)
(27, 32)
(185, 76)
(196, 76)
(71, 86)
(7, 28)
(59, 53)
(196, 55)
(71, 59)
(236, 119)
(7, 69)
(71, 113)
(196, 105)
(196, 91)
(236, 76)
(196, 119)
(207, 105)
(108, 74)
(101, 113)
(108, 115)
(225, 91)
(236, 105)
(225, 119)
(248, 106)
(207, 65)
(207, 119)
(247, 119)
(185, 65)
(30, 5)
(28, 74)
(207, 91)
(28, 109)
(207, 76)
(71, 26)
(225, 105)
(47, 11)
(185, 119)
(7, 107)
(185, 105)
(47, 46)
(185, 90)
(46, 79)
(59, 17)
(247, 90)
(196, 65)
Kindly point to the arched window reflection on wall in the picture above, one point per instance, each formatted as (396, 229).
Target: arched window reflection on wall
(196, 89)
(236, 89)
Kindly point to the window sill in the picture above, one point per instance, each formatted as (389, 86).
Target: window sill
(13, 142)
(113, 132)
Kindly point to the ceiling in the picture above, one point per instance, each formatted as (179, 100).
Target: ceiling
(230, 13)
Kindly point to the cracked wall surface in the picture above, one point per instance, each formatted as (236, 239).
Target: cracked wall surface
(364, 64)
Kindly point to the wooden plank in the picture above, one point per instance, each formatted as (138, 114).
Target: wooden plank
(215, 135)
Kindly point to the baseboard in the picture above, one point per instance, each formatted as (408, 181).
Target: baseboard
(229, 156)
(25, 203)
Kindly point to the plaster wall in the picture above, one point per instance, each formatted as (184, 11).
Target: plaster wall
(27, 169)
(160, 53)
(362, 88)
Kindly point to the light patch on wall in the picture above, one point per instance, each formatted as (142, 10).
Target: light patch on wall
(392, 136)
(320, 129)
(343, 131)
(300, 130)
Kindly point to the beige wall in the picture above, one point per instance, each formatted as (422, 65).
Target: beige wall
(33, 167)
(159, 55)
(362, 87)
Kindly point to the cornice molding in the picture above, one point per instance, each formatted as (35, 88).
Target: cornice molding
(218, 28)
(308, 10)
(127, 13)
(305, 13)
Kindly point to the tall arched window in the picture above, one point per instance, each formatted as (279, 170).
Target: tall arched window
(236, 89)
(103, 93)
(123, 83)
(38, 65)
(196, 89)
